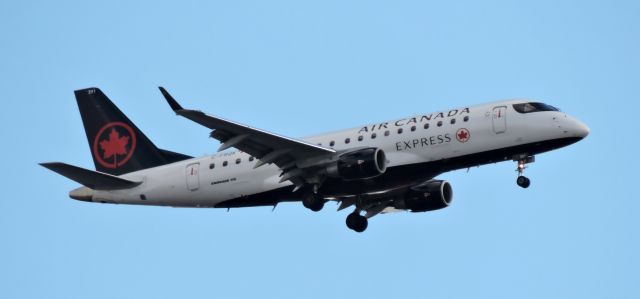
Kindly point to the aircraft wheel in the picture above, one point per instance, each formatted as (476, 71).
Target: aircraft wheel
(357, 222)
(313, 202)
(523, 181)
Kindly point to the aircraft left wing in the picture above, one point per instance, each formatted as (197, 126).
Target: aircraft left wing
(287, 153)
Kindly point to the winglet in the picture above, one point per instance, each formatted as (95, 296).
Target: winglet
(172, 102)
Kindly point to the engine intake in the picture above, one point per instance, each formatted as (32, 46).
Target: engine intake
(428, 196)
(359, 164)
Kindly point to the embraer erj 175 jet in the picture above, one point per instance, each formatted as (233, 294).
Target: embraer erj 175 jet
(376, 168)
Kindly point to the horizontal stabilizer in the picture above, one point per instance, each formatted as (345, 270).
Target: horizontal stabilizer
(92, 179)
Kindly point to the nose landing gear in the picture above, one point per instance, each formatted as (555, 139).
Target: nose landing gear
(522, 160)
(523, 181)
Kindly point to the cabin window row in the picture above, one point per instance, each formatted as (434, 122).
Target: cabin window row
(400, 130)
(348, 140)
(226, 163)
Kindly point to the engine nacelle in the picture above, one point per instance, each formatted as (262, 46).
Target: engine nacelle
(359, 164)
(428, 196)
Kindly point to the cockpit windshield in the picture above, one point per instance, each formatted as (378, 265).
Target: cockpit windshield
(533, 107)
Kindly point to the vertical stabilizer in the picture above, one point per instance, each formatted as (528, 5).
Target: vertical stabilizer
(117, 145)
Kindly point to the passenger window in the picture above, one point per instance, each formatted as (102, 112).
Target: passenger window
(238, 161)
(400, 131)
(346, 141)
(386, 133)
(225, 163)
(332, 143)
(360, 138)
(453, 121)
(439, 123)
(212, 165)
(413, 128)
(373, 136)
(466, 119)
(251, 158)
(426, 126)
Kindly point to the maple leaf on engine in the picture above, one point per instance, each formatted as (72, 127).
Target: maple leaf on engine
(114, 144)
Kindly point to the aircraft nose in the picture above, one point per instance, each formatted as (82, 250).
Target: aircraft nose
(579, 129)
(583, 130)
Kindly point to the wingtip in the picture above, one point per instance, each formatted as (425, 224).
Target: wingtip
(175, 106)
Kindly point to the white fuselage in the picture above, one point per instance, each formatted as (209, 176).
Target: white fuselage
(209, 180)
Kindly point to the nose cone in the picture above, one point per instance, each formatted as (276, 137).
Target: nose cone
(580, 129)
(573, 128)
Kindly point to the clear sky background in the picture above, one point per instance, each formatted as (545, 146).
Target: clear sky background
(300, 68)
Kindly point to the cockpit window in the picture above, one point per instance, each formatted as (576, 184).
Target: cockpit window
(533, 107)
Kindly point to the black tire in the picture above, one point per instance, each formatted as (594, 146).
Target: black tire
(357, 222)
(313, 202)
(351, 220)
(523, 181)
(361, 225)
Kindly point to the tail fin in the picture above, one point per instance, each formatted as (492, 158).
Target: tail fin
(117, 145)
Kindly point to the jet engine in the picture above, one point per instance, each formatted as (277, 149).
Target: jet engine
(428, 196)
(359, 164)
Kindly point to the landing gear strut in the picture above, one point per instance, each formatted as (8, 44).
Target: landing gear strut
(522, 180)
(357, 222)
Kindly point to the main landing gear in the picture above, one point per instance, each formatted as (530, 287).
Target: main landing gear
(522, 180)
(357, 222)
(313, 202)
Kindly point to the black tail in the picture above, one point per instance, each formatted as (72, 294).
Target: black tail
(117, 145)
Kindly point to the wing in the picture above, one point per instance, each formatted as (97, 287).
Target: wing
(290, 155)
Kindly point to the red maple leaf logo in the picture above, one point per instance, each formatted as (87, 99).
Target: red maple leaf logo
(117, 141)
(114, 145)
(463, 135)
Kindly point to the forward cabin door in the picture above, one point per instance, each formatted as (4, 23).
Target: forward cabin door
(499, 119)
(193, 177)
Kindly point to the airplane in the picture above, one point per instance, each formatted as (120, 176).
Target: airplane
(376, 168)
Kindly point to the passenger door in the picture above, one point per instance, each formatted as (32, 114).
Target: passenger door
(193, 177)
(499, 119)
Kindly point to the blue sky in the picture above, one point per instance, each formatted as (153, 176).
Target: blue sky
(300, 68)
